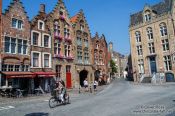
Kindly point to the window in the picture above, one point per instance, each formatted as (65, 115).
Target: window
(81, 27)
(165, 45)
(13, 45)
(25, 68)
(167, 63)
(17, 68)
(150, 33)
(46, 41)
(10, 67)
(35, 38)
(57, 48)
(46, 60)
(163, 29)
(86, 42)
(96, 58)
(68, 67)
(79, 41)
(138, 36)
(18, 24)
(66, 33)
(80, 57)
(24, 46)
(20, 46)
(139, 50)
(40, 25)
(147, 16)
(4, 67)
(141, 66)
(7, 44)
(35, 59)
(151, 48)
(86, 57)
(56, 28)
(67, 51)
(58, 71)
(97, 46)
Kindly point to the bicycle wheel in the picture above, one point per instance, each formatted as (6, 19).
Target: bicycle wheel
(52, 102)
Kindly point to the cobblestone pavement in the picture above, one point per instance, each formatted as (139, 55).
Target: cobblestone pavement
(74, 93)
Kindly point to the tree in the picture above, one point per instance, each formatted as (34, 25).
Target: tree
(113, 67)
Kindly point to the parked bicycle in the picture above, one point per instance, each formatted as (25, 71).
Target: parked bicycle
(56, 99)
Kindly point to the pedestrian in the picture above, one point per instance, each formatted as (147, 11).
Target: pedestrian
(85, 82)
(95, 85)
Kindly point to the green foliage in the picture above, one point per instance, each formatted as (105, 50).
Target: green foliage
(113, 67)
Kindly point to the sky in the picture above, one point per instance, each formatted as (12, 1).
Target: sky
(108, 17)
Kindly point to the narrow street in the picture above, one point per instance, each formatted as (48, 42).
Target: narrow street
(121, 98)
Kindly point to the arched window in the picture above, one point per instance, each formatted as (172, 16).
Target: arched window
(82, 25)
(138, 36)
(149, 33)
(147, 15)
(163, 29)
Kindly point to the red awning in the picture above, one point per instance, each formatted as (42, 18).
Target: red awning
(19, 74)
(45, 74)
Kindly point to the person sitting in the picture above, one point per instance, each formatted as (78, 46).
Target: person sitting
(62, 90)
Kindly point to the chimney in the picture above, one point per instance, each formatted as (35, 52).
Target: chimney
(42, 8)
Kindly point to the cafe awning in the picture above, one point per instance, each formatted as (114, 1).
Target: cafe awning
(45, 74)
(19, 74)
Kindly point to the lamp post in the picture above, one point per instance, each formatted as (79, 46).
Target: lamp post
(78, 71)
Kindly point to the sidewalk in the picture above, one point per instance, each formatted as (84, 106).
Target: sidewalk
(74, 93)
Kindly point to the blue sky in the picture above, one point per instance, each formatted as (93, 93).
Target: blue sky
(108, 17)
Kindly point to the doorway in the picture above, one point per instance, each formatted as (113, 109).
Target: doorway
(153, 65)
(83, 76)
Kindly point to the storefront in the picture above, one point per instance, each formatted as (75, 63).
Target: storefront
(20, 80)
(43, 80)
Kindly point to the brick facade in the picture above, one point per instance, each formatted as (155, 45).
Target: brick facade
(100, 58)
(83, 48)
(16, 27)
(62, 35)
(145, 34)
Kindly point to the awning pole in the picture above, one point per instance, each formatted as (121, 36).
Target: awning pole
(6, 82)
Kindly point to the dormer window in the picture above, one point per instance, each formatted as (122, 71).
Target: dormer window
(147, 16)
(40, 25)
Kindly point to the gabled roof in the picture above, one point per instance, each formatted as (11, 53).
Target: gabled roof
(74, 19)
(12, 4)
(160, 8)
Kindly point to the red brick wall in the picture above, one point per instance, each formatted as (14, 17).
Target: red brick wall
(15, 10)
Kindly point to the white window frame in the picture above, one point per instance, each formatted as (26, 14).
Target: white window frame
(166, 44)
(166, 61)
(149, 31)
(49, 44)
(163, 27)
(139, 50)
(38, 58)
(138, 36)
(46, 53)
(151, 48)
(43, 27)
(39, 38)
(17, 23)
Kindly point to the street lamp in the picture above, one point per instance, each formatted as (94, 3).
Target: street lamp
(78, 71)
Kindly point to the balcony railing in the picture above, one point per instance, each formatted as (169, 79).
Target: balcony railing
(59, 56)
(68, 39)
(58, 36)
(70, 57)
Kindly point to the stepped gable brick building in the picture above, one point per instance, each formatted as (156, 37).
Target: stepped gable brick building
(152, 41)
(60, 26)
(41, 50)
(15, 47)
(83, 48)
(100, 58)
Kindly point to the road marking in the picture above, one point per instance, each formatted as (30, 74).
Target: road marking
(6, 108)
(46, 100)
